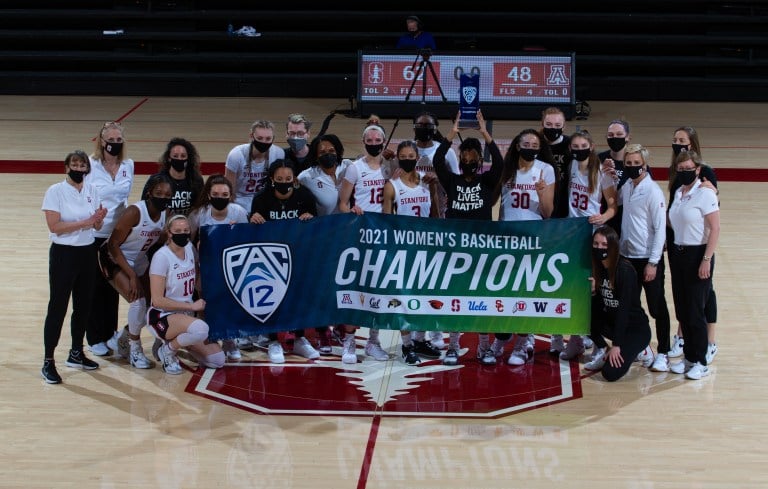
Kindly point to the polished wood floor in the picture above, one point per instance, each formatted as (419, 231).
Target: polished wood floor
(118, 427)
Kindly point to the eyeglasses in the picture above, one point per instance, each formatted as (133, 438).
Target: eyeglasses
(297, 134)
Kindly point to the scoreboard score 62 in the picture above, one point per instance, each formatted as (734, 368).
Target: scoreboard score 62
(504, 79)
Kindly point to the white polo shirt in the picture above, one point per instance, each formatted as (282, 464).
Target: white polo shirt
(114, 194)
(687, 215)
(322, 186)
(72, 205)
(644, 223)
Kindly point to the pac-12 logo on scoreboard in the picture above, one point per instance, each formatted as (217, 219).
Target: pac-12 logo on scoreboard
(258, 275)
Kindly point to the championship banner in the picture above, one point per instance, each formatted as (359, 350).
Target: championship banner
(397, 272)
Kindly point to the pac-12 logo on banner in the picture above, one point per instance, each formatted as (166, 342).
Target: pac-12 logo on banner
(258, 276)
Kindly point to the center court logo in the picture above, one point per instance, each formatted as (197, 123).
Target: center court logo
(258, 276)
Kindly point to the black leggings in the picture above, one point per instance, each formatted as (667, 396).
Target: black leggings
(654, 297)
(636, 337)
(103, 321)
(71, 272)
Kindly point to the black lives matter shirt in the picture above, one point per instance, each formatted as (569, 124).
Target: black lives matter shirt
(468, 199)
(301, 201)
(184, 193)
(621, 307)
(561, 154)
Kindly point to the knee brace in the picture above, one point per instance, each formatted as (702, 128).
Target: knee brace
(196, 332)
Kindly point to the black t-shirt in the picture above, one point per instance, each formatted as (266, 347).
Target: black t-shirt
(271, 208)
(299, 163)
(621, 306)
(473, 199)
(184, 193)
(561, 156)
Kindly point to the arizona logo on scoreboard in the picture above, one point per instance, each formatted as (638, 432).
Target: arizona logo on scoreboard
(258, 276)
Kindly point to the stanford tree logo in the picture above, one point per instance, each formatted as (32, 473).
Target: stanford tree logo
(258, 275)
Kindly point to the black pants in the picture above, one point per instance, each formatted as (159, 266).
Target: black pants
(656, 300)
(691, 294)
(71, 271)
(636, 338)
(103, 322)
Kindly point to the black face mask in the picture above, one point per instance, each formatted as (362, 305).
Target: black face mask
(600, 254)
(407, 165)
(160, 203)
(423, 134)
(283, 188)
(686, 177)
(374, 149)
(113, 148)
(219, 203)
(552, 133)
(528, 154)
(76, 175)
(617, 144)
(580, 154)
(469, 169)
(261, 147)
(678, 148)
(328, 160)
(180, 239)
(632, 172)
(178, 165)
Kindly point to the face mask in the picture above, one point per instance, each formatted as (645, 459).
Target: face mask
(528, 154)
(600, 254)
(297, 144)
(180, 239)
(76, 175)
(581, 154)
(283, 187)
(552, 133)
(686, 177)
(616, 144)
(678, 148)
(469, 169)
(328, 160)
(374, 149)
(407, 165)
(113, 148)
(219, 203)
(423, 134)
(633, 172)
(160, 203)
(261, 147)
(178, 165)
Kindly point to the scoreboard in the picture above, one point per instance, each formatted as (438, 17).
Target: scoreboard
(397, 81)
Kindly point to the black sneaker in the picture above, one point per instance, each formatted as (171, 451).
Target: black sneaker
(409, 356)
(451, 357)
(77, 359)
(425, 349)
(49, 372)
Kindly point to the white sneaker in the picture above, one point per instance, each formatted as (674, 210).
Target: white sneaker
(99, 349)
(573, 349)
(598, 359)
(677, 347)
(231, 350)
(519, 353)
(660, 364)
(645, 357)
(697, 371)
(138, 359)
(557, 344)
(112, 342)
(680, 367)
(349, 350)
(588, 343)
(170, 362)
(486, 356)
(530, 345)
(436, 338)
(303, 348)
(711, 352)
(275, 352)
(373, 349)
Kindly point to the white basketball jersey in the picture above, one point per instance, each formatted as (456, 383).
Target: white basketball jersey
(412, 201)
(179, 273)
(143, 235)
(521, 201)
(250, 175)
(580, 202)
(369, 185)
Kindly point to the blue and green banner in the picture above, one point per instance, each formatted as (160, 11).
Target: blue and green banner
(397, 272)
